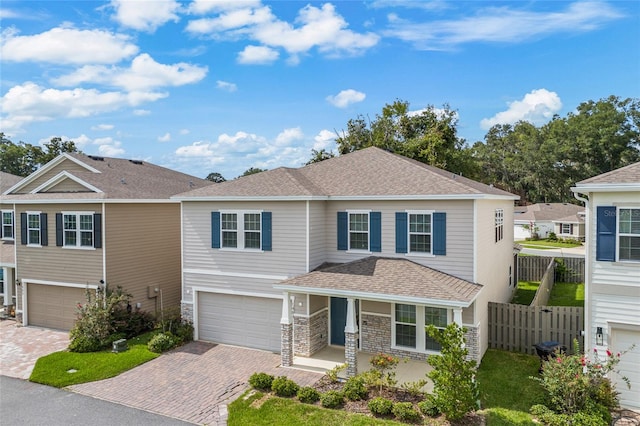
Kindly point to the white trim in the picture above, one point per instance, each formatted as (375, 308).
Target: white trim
(13, 224)
(78, 231)
(240, 230)
(619, 234)
(234, 274)
(349, 197)
(182, 284)
(410, 253)
(359, 211)
(18, 201)
(234, 293)
(605, 187)
(58, 283)
(474, 243)
(60, 177)
(308, 239)
(420, 325)
(103, 236)
(375, 314)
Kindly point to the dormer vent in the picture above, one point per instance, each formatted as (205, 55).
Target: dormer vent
(96, 158)
(136, 161)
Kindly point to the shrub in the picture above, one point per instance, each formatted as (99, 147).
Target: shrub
(261, 381)
(385, 366)
(162, 342)
(428, 407)
(550, 418)
(332, 399)
(333, 373)
(283, 386)
(404, 411)
(82, 343)
(308, 395)
(455, 390)
(170, 320)
(414, 388)
(354, 389)
(380, 406)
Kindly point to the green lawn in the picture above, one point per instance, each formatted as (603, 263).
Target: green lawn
(544, 244)
(567, 294)
(525, 292)
(64, 368)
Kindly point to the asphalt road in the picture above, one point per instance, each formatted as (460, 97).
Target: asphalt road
(26, 403)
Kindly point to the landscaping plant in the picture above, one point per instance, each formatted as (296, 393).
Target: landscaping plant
(404, 411)
(383, 372)
(332, 399)
(380, 406)
(308, 395)
(284, 386)
(455, 390)
(261, 381)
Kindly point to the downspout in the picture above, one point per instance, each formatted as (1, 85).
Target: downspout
(104, 252)
(587, 270)
(308, 240)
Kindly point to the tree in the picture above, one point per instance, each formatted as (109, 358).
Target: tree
(318, 156)
(55, 147)
(215, 177)
(22, 159)
(252, 171)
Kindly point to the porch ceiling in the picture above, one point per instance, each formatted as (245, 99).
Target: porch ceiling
(381, 278)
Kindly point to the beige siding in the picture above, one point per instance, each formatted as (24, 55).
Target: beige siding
(143, 252)
(375, 307)
(318, 234)
(459, 258)
(67, 185)
(317, 303)
(51, 263)
(248, 286)
(67, 165)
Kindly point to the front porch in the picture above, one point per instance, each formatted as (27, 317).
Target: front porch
(407, 370)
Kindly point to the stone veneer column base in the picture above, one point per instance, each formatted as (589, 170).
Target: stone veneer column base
(286, 342)
(351, 353)
(186, 312)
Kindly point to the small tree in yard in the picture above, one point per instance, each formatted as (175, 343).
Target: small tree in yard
(455, 390)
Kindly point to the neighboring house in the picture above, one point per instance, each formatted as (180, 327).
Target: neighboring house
(543, 218)
(361, 251)
(83, 223)
(7, 251)
(612, 288)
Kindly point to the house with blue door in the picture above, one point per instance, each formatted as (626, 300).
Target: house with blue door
(361, 251)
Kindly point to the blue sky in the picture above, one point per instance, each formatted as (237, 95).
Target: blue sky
(204, 86)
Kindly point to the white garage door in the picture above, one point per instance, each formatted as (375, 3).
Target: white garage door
(252, 322)
(623, 339)
(53, 306)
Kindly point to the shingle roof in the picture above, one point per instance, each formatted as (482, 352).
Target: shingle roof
(546, 211)
(627, 174)
(380, 276)
(7, 180)
(367, 172)
(123, 179)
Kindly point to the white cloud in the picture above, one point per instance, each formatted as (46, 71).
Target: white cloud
(165, 138)
(184, 131)
(536, 107)
(143, 74)
(257, 55)
(145, 15)
(102, 127)
(346, 98)
(324, 140)
(502, 24)
(198, 149)
(287, 136)
(205, 6)
(226, 86)
(141, 112)
(79, 141)
(112, 149)
(67, 46)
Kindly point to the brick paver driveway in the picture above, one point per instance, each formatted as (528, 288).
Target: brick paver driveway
(20, 347)
(193, 383)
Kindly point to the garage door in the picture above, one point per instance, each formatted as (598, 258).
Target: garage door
(622, 340)
(53, 306)
(252, 322)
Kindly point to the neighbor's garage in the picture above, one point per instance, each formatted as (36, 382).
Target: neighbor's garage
(53, 306)
(252, 322)
(622, 340)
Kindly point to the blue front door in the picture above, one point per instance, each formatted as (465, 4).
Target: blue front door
(338, 320)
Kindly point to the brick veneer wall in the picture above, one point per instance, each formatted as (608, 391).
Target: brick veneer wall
(311, 333)
(186, 311)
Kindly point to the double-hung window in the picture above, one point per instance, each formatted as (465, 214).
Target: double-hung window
(33, 229)
(241, 230)
(229, 230)
(437, 317)
(359, 231)
(629, 234)
(77, 229)
(566, 229)
(7, 225)
(499, 225)
(406, 329)
(419, 232)
(409, 326)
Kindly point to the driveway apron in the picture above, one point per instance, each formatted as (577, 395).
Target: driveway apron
(193, 383)
(20, 347)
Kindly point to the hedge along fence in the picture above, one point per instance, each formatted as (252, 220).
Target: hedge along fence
(568, 269)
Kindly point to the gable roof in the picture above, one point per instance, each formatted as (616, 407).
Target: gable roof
(370, 172)
(623, 179)
(542, 212)
(386, 279)
(7, 180)
(103, 178)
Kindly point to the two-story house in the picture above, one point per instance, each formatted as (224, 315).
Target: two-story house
(7, 255)
(612, 271)
(361, 251)
(93, 223)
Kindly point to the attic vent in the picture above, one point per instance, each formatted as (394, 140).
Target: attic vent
(136, 161)
(95, 158)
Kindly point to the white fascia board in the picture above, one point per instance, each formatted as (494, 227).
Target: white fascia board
(353, 198)
(606, 187)
(377, 297)
(62, 176)
(250, 198)
(94, 200)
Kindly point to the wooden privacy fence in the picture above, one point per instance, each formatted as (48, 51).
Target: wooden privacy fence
(519, 327)
(546, 285)
(568, 269)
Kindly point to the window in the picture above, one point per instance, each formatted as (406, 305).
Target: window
(241, 230)
(629, 235)
(77, 229)
(566, 229)
(419, 233)
(7, 225)
(359, 231)
(406, 320)
(499, 224)
(33, 228)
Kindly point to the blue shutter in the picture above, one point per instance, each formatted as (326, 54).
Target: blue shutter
(266, 231)
(23, 228)
(401, 232)
(59, 230)
(375, 229)
(44, 230)
(606, 234)
(97, 230)
(343, 223)
(440, 234)
(215, 229)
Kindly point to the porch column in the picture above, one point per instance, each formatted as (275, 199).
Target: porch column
(351, 339)
(286, 332)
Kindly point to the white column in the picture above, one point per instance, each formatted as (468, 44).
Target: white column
(457, 316)
(287, 315)
(352, 325)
